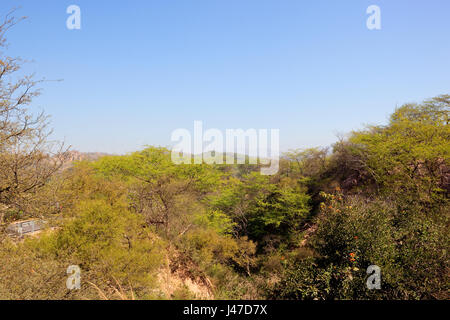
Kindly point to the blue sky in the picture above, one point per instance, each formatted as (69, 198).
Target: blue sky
(137, 70)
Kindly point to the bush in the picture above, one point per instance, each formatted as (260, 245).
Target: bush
(355, 233)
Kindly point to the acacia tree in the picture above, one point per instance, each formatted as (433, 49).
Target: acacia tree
(166, 194)
(27, 157)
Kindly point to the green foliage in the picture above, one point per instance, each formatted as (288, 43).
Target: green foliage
(281, 212)
(353, 234)
(217, 221)
(304, 281)
(308, 232)
(260, 207)
(154, 166)
(410, 153)
(108, 243)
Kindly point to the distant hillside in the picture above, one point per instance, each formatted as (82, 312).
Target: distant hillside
(74, 156)
(82, 156)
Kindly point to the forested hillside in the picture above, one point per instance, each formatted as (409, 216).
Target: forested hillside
(141, 227)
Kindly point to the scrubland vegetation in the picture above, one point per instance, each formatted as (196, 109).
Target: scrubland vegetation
(141, 227)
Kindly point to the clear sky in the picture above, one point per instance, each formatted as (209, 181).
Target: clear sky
(139, 69)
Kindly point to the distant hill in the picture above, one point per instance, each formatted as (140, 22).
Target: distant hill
(74, 156)
(82, 156)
